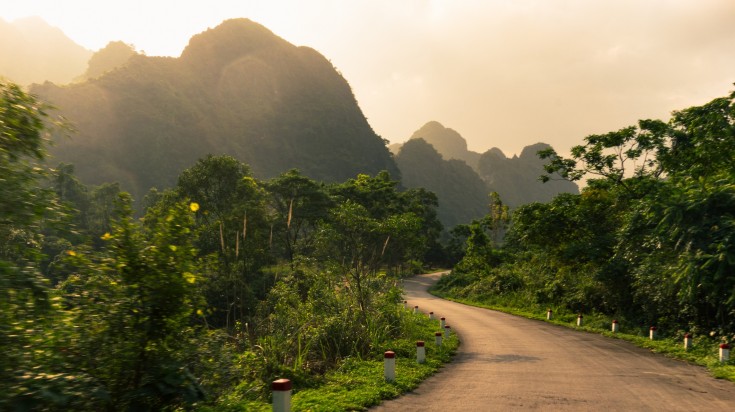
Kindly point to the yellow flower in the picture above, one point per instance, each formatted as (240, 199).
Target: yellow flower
(107, 236)
(71, 253)
(189, 277)
(194, 206)
(199, 312)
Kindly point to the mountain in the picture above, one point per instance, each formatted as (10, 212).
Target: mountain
(446, 141)
(236, 89)
(463, 196)
(31, 51)
(115, 54)
(437, 158)
(516, 179)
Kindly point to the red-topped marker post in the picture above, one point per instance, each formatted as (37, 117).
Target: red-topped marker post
(416, 309)
(687, 341)
(281, 395)
(652, 332)
(549, 314)
(447, 331)
(580, 320)
(420, 352)
(389, 365)
(442, 322)
(615, 326)
(724, 352)
(438, 336)
(431, 315)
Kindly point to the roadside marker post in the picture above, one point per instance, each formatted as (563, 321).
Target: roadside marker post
(580, 320)
(389, 366)
(416, 309)
(281, 395)
(438, 336)
(724, 352)
(615, 326)
(447, 331)
(548, 314)
(431, 315)
(652, 333)
(420, 352)
(687, 341)
(442, 322)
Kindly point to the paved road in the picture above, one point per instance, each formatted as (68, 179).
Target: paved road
(511, 363)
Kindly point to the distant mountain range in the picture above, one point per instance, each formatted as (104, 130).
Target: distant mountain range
(437, 158)
(31, 51)
(237, 89)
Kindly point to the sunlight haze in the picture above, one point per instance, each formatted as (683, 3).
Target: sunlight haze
(503, 74)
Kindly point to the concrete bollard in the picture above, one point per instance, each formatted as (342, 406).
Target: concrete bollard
(389, 365)
(405, 304)
(281, 395)
(652, 333)
(416, 309)
(438, 336)
(548, 314)
(420, 352)
(615, 326)
(580, 320)
(431, 315)
(687, 341)
(442, 322)
(724, 352)
(447, 331)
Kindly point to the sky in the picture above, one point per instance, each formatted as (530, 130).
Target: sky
(502, 73)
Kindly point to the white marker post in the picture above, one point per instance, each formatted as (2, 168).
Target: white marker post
(438, 336)
(442, 322)
(687, 341)
(580, 320)
(724, 352)
(389, 366)
(281, 395)
(447, 331)
(416, 309)
(615, 326)
(652, 333)
(548, 314)
(420, 352)
(405, 304)
(431, 315)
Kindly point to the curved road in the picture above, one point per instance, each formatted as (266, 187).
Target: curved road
(511, 363)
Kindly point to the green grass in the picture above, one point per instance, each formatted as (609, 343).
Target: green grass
(704, 351)
(359, 383)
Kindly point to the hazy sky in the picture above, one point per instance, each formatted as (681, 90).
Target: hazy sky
(503, 73)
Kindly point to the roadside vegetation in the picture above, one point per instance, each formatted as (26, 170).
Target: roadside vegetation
(649, 242)
(223, 284)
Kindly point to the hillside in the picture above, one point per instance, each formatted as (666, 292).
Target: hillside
(449, 169)
(31, 51)
(237, 89)
(516, 179)
(463, 196)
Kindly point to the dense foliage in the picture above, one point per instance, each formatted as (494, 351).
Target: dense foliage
(226, 283)
(650, 240)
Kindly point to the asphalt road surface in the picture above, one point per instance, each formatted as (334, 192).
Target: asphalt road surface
(508, 363)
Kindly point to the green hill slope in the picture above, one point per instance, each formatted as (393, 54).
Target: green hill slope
(237, 89)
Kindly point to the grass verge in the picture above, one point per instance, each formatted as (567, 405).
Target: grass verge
(359, 383)
(704, 351)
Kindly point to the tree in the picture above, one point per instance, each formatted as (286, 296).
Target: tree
(135, 298)
(299, 204)
(233, 231)
(23, 205)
